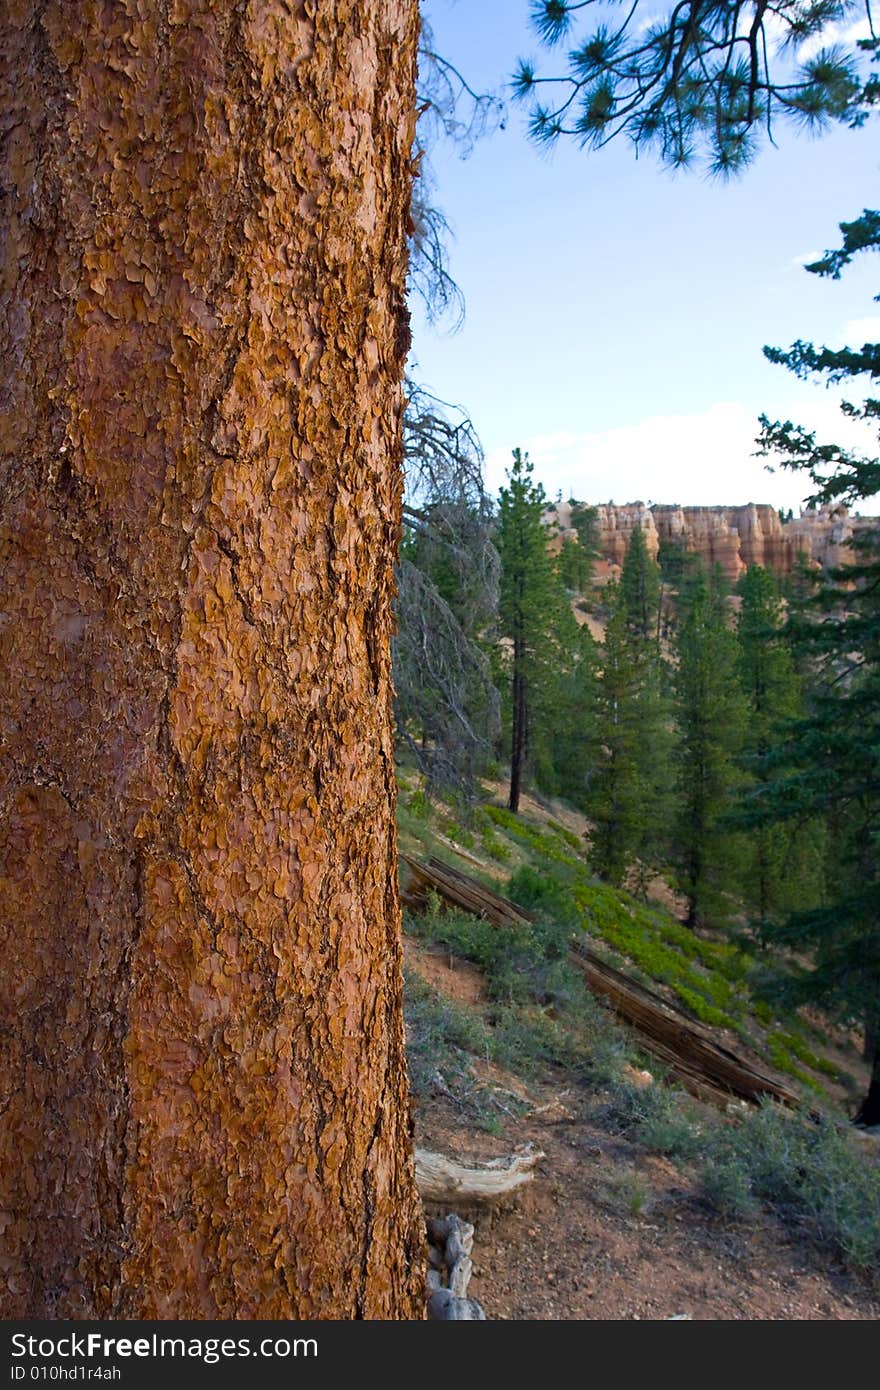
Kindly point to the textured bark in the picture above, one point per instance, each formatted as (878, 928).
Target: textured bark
(202, 329)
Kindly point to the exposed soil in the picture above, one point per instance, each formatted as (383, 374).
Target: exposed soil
(458, 979)
(607, 1231)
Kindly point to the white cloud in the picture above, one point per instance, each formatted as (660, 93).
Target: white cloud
(860, 331)
(854, 333)
(704, 459)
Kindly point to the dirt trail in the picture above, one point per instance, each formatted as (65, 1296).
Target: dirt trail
(607, 1231)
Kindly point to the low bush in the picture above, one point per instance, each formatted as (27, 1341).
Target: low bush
(654, 1116)
(811, 1170)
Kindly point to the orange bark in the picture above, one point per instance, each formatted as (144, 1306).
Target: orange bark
(202, 331)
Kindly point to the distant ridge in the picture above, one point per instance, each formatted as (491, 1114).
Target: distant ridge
(733, 537)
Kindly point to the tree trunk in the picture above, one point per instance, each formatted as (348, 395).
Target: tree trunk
(518, 725)
(868, 1113)
(203, 333)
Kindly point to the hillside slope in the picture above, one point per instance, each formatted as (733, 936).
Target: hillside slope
(646, 1203)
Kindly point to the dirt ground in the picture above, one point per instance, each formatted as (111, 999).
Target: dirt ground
(606, 1231)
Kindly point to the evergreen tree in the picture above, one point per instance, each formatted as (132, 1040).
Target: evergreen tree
(562, 716)
(710, 718)
(781, 861)
(527, 594)
(585, 524)
(572, 737)
(548, 662)
(615, 803)
(674, 561)
(202, 1067)
(640, 587)
(830, 768)
(574, 566)
(629, 787)
(578, 557)
(834, 753)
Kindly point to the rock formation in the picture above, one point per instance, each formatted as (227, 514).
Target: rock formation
(733, 537)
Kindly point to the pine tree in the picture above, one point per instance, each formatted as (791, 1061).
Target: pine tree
(629, 788)
(710, 718)
(830, 768)
(574, 566)
(526, 595)
(640, 587)
(833, 756)
(700, 80)
(548, 660)
(561, 728)
(571, 727)
(202, 334)
(615, 803)
(780, 867)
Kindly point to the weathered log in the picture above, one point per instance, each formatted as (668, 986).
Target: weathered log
(445, 1180)
(688, 1048)
(450, 1241)
(459, 891)
(443, 1306)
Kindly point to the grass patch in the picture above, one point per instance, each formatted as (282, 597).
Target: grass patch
(784, 1046)
(554, 844)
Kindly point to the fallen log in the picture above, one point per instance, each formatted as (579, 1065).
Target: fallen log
(459, 891)
(443, 1306)
(447, 1182)
(689, 1048)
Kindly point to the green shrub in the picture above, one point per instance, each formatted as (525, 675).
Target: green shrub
(544, 896)
(442, 1041)
(627, 1189)
(437, 1033)
(537, 841)
(453, 830)
(571, 839)
(725, 1185)
(652, 1115)
(494, 847)
(418, 804)
(812, 1169)
(527, 1041)
(790, 1045)
(541, 1013)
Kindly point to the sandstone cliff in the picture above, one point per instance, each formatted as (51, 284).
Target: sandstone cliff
(733, 537)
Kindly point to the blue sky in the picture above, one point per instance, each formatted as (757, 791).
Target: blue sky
(616, 312)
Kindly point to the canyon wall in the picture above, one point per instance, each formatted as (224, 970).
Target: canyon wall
(733, 537)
